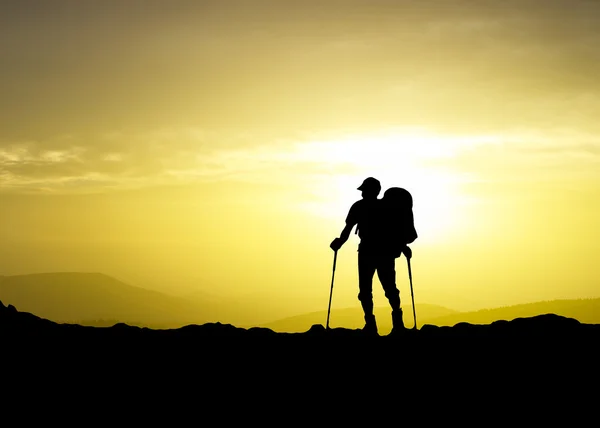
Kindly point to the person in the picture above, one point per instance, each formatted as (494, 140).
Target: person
(374, 255)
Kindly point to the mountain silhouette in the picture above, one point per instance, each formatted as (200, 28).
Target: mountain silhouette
(98, 299)
(14, 323)
(583, 310)
(547, 333)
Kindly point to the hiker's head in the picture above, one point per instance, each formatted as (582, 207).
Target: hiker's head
(370, 188)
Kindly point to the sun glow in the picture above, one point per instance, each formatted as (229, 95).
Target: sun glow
(408, 160)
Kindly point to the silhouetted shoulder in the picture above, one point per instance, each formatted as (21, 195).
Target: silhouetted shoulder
(358, 210)
(365, 214)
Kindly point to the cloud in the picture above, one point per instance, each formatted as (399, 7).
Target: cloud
(22, 154)
(564, 157)
(113, 157)
(186, 155)
(126, 159)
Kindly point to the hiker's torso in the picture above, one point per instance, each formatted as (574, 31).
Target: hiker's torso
(368, 217)
(382, 228)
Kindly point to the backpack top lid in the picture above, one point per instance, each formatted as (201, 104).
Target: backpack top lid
(399, 197)
(398, 203)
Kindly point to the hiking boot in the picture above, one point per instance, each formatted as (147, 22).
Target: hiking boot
(370, 327)
(397, 322)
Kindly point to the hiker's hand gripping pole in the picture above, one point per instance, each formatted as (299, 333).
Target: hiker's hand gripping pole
(331, 290)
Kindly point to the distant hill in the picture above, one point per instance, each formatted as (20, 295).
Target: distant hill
(352, 318)
(583, 310)
(98, 299)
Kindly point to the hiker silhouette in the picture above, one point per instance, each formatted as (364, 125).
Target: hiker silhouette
(381, 242)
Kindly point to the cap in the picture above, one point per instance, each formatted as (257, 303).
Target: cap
(370, 183)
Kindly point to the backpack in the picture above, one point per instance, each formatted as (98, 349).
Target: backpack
(399, 220)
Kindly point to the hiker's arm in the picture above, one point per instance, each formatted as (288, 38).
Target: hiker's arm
(338, 242)
(346, 233)
(351, 221)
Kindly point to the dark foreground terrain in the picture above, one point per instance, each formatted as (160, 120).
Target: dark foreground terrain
(547, 337)
(524, 361)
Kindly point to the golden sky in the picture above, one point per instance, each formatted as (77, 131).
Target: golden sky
(217, 145)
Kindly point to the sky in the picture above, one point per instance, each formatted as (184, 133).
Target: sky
(216, 146)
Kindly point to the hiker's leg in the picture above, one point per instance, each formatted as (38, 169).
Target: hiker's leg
(366, 270)
(386, 271)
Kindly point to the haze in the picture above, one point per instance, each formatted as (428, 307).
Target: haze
(215, 147)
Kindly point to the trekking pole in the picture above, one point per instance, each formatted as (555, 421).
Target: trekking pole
(331, 290)
(412, 294)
